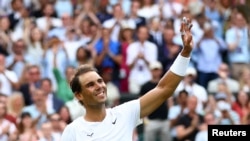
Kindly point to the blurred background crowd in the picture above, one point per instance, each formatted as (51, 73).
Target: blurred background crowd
(131, 43)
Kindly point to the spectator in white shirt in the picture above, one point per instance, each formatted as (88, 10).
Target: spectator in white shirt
(116, 22)
(139, 55)
(8, 78)
(7, 129)
(46, 22)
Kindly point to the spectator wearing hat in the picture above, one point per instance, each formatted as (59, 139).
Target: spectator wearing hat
(225, 114)
(156, 122)
(189, 84)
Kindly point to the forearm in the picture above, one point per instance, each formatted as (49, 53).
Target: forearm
(10, 67)
(186, 132)
(176, 73)
(116, 58)
(99, 58)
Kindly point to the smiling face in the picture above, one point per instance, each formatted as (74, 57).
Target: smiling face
(93, 90)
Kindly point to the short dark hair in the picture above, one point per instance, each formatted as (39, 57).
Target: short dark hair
(75, 84)
(46, 79)
(183, 92)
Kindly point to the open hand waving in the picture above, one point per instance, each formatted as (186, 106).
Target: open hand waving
(186, 34)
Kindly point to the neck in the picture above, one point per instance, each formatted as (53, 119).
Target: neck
(133, 15)
(142, 42)
(95, 114)
(191, 113)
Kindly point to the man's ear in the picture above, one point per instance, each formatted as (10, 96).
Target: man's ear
(78, 96)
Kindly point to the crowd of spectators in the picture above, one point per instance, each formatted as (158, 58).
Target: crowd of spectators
(42, 42)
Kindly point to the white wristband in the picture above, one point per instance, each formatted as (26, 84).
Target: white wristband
(180, 65)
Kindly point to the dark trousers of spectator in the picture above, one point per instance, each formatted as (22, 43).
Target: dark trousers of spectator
(204, 78)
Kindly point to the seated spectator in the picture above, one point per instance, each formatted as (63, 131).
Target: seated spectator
(224, 93)
(189, 84)
(47, 21)
(57, 50)
(33, 78)
(52, 101)
(15, 105)
(114, 24)
(38, 110)
(135, 7)
(45, 133)
(113, 93)
(26, 128)
(176, 111)
(149, 9)
(65, 116)
(34, 39)
(8, 78)
(189, 123)
(244, 80)
(156, 125)
(202, 135)
(240, 106)
(57, 126)
(9, 131)
(75, 109)
(226, 116)
(5, 40)
(126, 37)
(18, 58)
(224, 76)
(83, 56)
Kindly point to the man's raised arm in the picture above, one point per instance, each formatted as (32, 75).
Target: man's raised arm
(168, 83)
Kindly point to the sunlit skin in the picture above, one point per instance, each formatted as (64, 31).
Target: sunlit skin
(94, 92)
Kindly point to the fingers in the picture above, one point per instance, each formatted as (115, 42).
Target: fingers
(182, 30)
(186, 25)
